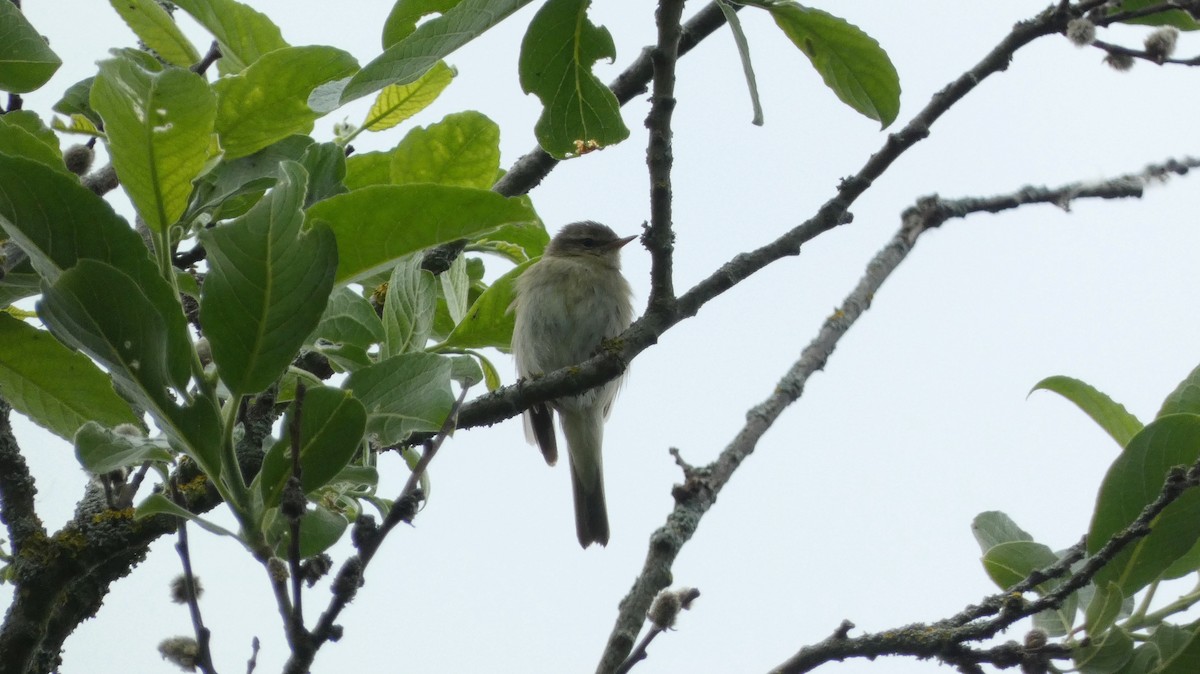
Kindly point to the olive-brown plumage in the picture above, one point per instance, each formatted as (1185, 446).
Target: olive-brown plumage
(566, 304)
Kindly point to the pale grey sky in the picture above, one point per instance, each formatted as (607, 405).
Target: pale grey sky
(858, 503)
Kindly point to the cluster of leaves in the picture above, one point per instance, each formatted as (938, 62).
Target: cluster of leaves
(307, 251)
(1111, 621)
(297, 241)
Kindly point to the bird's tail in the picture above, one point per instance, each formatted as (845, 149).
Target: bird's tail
(585, 436)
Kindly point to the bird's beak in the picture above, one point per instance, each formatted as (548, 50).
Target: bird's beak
(620, 243)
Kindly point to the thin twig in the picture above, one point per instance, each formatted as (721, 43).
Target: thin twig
(204, 655)
(296, 509)
(253, 661)
(639, 652)
(214, 53)
(350, 576)
(130, 489)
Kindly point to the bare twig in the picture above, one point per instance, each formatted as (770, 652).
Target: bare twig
(945, 640)
(204, 656)
(214, 53)
(294, 510)
(253, 661)
(350, 576)
(662, 615)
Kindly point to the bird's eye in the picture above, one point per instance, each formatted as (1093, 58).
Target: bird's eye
(589, 242)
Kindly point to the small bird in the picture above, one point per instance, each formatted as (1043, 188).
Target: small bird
(566, 304)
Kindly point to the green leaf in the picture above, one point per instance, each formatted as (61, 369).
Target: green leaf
(1135, 479)
(1145, 658)
(242, 33)
(157, 504)
(368, 168)
(17, 285)
(325, 164)
(517, 243)
(1104, 609)
(268, 101)
(346, 357)
(58, 222)
(1171, 639)
(463, 149)
(489, 322)
(57, 388)
(350, 319)
(1057, 622)
(377, 225)
(416, 53)
(1188, 563)
(993, 527)
(159, 126)
(77, 124)
(1110, 415)
(77, 100)
(266, 287)
(404, 394)
(456, 287)
(158, 30)
(332, 424)
(293, 377)
(1185, 397)
(557, 55)
(1176, 17)
(465, 370)
(1104, 654)
(249, 175)
(31, 122)
(397, 102)
(851, 62)
(1182, 656)
(413, 458)
(408, 308)
(26, 61)
(101, 449)
(491, 377)
(405, 15)
(320, 528)
(743, 46)
(137, 331)
(20, 142)
(1010, 563)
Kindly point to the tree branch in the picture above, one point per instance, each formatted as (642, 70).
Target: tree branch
(510, 401)
(944, 640)
(659, 237)
(701, 485)
(17, 488)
